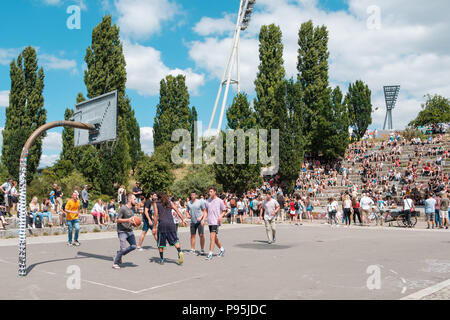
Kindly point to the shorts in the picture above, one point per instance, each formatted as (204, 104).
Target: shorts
(85, 204)
(214, 229)
(241, 212)
(365, 212)
(164, 237)
(443, 214)
(14, 199)
(197, 226)
(233, 211)
(293, 213)
(429, 216)
(146, 225)
(98, 214)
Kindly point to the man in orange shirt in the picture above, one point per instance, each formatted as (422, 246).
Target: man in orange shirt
(72, 210)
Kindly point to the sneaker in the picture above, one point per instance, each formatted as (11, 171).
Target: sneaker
(139, 249)
(192, 251)
(428, 227)
(161, 261)
(269, 242)
(180, 258)
(116, 266)
(209, 257)
(221, 253)
(202, 253)
(273, 240)
(76, 244)
(69, 244)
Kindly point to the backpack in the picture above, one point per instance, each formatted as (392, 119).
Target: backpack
(38, 223)
(297, 206)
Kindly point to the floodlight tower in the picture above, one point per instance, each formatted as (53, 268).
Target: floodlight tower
(390, 95)
(244, 16)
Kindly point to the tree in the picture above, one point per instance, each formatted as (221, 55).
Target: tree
(25, 114)
(154, 175)
(173, 110)
(358, 101)
(269, 78)
(69, 153)
(199, 179)
(312, 69)
(105, 73)
(292, 141)
(435, 110)
(238, 178)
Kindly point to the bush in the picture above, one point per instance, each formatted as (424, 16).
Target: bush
(199, 179)
(411, 133)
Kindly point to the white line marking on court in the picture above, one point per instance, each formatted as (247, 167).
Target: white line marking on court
(427, 291)
(108, 286)
(168, 284)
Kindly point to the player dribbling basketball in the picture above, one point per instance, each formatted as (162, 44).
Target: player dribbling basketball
(125, 230)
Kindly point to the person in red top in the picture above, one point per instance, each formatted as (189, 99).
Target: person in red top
(292, 213)
(355, 205)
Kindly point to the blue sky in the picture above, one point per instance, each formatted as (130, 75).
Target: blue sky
(193, 37)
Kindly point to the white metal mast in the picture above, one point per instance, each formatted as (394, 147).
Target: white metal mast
(244, 16)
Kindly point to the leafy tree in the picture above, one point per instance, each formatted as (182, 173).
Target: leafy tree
(239, 178)
(173, 110)
(154, 174)
(312, 75)
(269, 78)
(358, 101)
(435, 110)
(25, 114)
(105, 73)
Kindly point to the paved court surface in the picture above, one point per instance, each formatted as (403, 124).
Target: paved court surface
(307, 262)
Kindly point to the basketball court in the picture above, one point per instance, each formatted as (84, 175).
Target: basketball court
(307, 262)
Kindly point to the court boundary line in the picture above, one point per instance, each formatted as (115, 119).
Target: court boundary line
(427, 291)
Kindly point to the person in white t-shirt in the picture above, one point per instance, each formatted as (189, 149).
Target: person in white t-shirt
(408, 208)
(366, 204)
(270, 207)
(332, 208)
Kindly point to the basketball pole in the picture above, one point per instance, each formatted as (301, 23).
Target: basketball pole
(23, 184)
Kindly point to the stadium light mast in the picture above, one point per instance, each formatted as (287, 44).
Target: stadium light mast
(390, 95)
(244, 17)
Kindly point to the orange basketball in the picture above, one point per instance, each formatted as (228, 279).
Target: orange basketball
(136, 221)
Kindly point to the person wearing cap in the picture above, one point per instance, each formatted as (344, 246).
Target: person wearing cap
(6, 189)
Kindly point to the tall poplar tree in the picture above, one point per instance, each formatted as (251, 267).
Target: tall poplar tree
(312, 67)
(25, 114)
(359, 104)
(173, 110)
(105, 73)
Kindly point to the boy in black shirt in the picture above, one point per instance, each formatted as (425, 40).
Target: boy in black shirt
(125, 231)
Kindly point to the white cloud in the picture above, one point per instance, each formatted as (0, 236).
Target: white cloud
(7, 55)
(147, 140)
(139, 19)
(48, 160)
(4, 98)
(208, 26)
(81, 3)
(52, 142)
(145, 70)
(412, 48)
(51, 62)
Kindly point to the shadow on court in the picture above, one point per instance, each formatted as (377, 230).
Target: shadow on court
(262, 245)
(31, 267)
(106, 258)
(156, 260)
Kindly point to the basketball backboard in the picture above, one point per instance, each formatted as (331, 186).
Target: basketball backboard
(102, 113)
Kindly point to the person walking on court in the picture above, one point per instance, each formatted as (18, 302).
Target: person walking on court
(165, 228)
(72, 211)
(149, 210)
(125, 230)
(196, 211)
(216, 210)
(270, 207)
